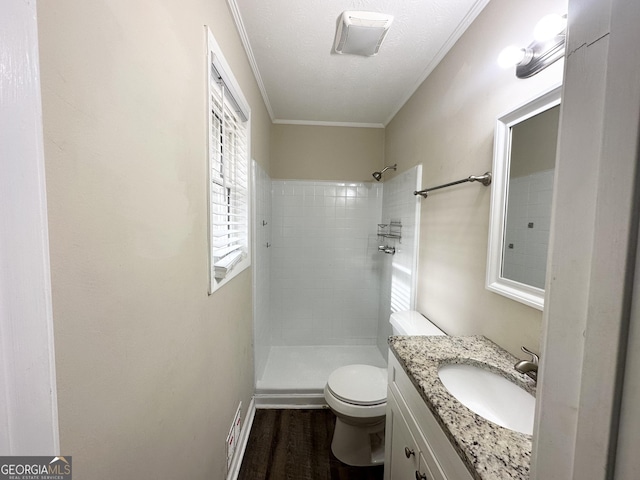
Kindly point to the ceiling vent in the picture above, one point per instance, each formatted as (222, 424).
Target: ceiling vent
(361, 33)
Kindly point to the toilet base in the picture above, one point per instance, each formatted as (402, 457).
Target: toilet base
(358, 446)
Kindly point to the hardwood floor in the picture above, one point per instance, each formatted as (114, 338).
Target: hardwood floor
(296, 445)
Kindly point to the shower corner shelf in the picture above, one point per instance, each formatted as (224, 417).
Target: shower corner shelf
(391, 230)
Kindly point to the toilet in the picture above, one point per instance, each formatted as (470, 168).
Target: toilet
(357, 395)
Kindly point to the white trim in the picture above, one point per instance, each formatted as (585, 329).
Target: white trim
(235, 11)
(451, 41)
(236, 462)
(290, 400)
(520, 292)
(627, 459)
(254, 252)
(593, 244)
(328, 124)
(28, 403)
(215, 57)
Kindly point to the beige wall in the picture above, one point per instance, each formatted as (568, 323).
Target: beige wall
(305, 152)
(150, 369)
(448, 126)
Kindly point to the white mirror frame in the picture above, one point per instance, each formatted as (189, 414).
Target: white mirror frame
(520, 292)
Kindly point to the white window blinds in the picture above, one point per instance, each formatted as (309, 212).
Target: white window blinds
(228, 181)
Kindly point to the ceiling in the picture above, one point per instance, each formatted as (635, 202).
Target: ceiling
(290, 47)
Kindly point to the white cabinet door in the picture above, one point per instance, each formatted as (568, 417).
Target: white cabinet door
(409, 422)
(408, 459)
(402, 449)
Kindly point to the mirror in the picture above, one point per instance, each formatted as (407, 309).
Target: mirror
(521, 198)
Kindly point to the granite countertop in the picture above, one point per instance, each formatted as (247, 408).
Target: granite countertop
(489, 451)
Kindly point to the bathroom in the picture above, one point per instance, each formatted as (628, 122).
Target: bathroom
(314, 305)
(149, 368)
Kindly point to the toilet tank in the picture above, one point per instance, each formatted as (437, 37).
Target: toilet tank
(411, 322)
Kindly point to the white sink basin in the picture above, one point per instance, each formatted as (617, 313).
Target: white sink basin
(491, 396)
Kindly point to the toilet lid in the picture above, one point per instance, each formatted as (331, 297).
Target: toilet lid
(359, 384)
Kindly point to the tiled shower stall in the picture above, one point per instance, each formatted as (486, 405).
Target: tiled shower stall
(528, 227)
(323, 290)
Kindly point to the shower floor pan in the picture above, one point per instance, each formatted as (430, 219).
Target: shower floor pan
(297, 375)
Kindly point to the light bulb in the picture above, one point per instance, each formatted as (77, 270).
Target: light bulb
(549, 26)
(510, 56)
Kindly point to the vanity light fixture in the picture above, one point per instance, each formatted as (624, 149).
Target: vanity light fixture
(361, 33)
(548, 46)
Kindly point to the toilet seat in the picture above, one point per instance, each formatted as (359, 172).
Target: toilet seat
(362, 385)
(357, 394)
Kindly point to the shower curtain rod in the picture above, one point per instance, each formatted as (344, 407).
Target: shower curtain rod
(484, 179)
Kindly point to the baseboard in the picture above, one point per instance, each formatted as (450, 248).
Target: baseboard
(290, 400)
(269, 400)
(241, 446)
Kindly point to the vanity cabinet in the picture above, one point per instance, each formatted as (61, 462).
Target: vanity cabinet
(416, 447)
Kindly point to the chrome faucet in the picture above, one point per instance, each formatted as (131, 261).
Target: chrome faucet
(529, 367)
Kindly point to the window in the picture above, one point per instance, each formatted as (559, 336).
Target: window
(229, 236)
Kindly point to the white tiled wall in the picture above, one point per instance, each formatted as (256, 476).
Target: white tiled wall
(397, 289)
(322, 281)
(262, 267)
(529, 202)
(324, 263)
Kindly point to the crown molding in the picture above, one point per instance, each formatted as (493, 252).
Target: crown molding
(235, 11)
(328, 124)
(451, 41)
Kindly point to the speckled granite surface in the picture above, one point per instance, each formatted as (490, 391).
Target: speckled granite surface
(490, 452)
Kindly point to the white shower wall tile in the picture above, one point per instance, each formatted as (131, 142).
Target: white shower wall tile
(398, 277)
(324, 275)
(324, 280)
(527, 228)
(262, 267)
